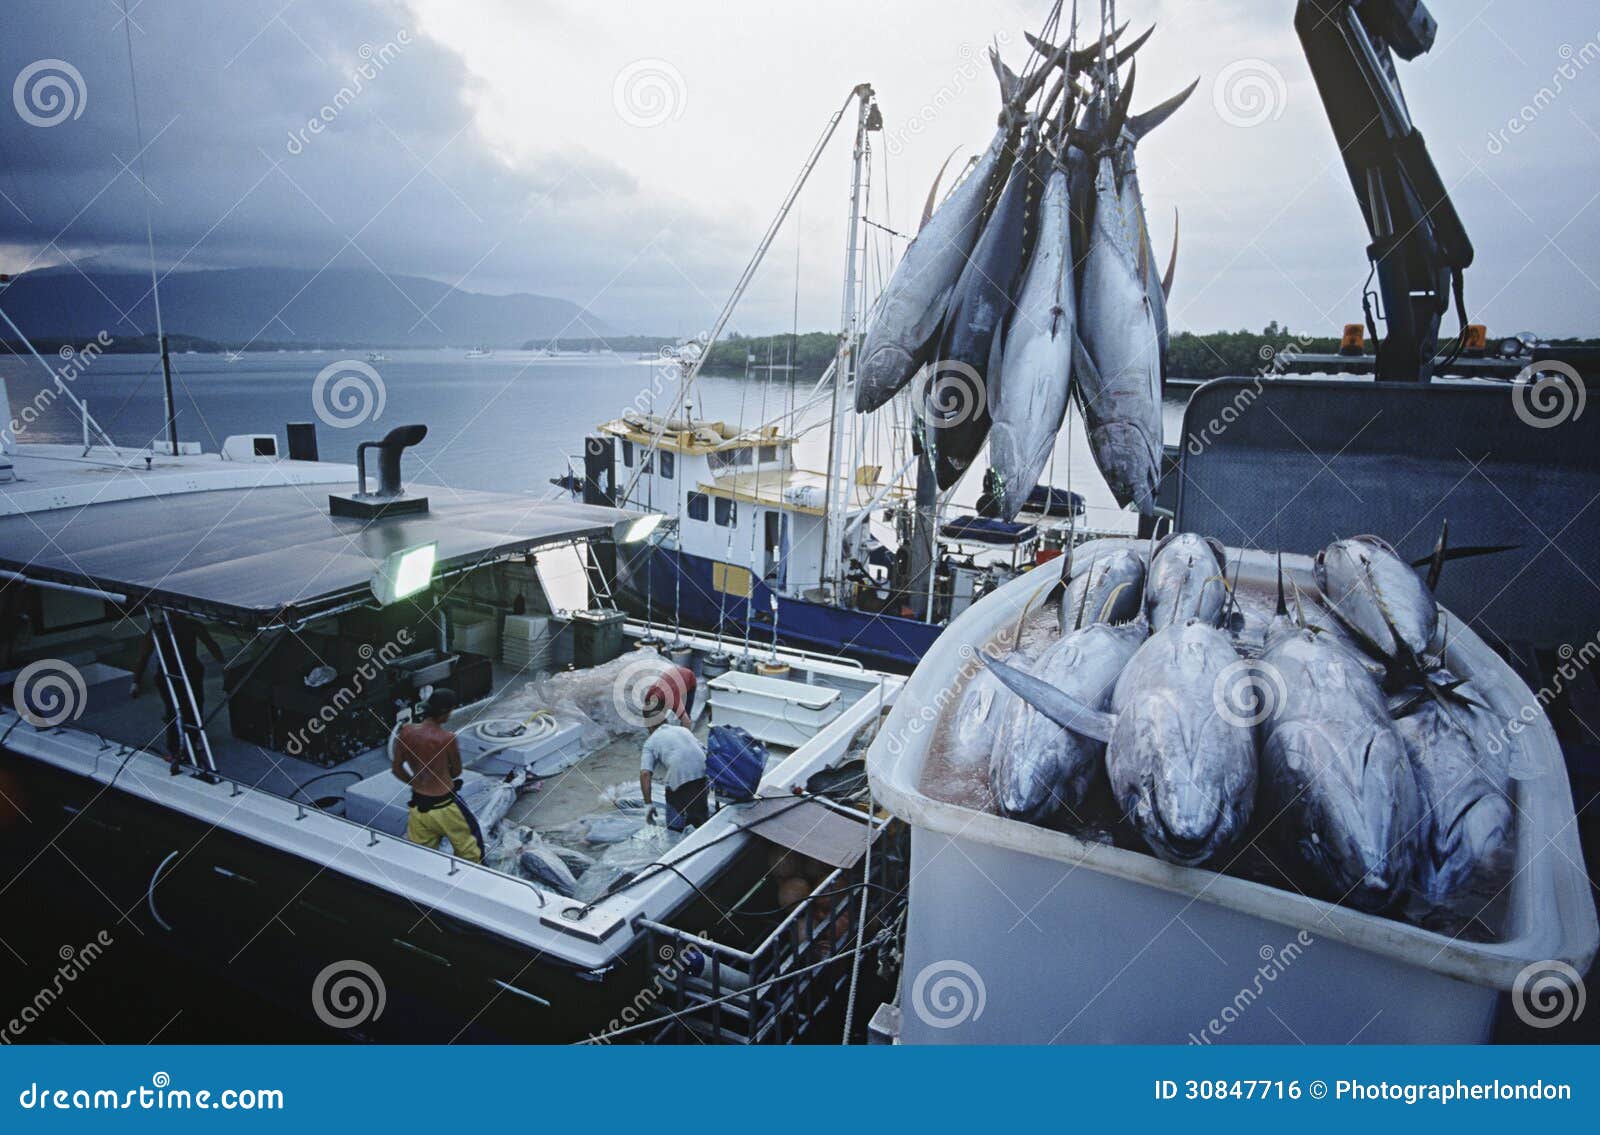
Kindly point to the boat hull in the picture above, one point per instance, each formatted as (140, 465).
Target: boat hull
(670, 586)
(229, 914)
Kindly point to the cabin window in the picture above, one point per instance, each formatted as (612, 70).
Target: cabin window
(699, 506)
(669, 462)
(727, 514)
(627, 454)
(769, 454)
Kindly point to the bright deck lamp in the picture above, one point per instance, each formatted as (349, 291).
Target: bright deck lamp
(638, 528)
(404, 573)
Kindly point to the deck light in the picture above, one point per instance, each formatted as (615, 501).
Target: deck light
(638, 528)
(404, 573)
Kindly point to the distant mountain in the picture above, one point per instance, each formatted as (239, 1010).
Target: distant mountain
(287, 306)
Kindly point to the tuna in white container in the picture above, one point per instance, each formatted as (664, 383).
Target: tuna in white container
(1022, 934)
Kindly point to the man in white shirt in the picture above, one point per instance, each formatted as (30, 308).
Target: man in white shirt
(673, 753)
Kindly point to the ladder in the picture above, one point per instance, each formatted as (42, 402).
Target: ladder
(180, 696)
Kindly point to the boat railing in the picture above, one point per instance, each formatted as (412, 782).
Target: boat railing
(780, 990)
(647, 628)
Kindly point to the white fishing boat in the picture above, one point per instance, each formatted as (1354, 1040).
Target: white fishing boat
(256, 831)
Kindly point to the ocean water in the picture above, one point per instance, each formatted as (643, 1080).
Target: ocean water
(509, 422)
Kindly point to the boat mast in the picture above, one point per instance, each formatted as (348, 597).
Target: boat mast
(150, 243)
(837, 489)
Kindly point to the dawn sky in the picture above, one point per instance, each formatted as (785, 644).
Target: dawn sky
(628, 156)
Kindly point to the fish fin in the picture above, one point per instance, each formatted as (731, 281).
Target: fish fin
(1140, 125)
(1010, 85)
(1059, 706)
(1283, 605)
(1144, 257)
(1119, 110)
(933, 192)
(1111, 601)
(1084, 57)
(1233, 590)
(1083, 602)
(1172, 261)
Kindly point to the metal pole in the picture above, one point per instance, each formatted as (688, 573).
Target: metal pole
(172, 407)
(835, 491)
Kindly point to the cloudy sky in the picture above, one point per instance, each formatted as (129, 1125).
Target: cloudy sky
(627, 156)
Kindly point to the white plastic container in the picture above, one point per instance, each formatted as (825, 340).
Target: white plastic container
(1021, 934)
(773, 710)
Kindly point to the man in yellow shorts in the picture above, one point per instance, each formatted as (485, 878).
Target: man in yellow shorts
(427, 758)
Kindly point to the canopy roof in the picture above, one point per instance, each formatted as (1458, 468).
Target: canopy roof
(264, 555)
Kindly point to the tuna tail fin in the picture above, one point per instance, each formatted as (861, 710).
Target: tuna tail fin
(1141, 124)
(1442, 554)
(1283, 604)
(1119, 110)
(1011, 88)
(933, 196)
(1172, 261)
(1110, 604)
(1084, 57)
(1060, 707)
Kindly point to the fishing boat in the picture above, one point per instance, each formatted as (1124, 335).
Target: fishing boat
(861, 556)
(480, 353)
(377, 357)
(261, 839)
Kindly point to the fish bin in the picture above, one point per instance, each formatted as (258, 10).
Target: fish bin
(1073, 931)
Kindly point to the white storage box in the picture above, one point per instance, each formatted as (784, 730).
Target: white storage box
(474, 634)
(543, 746)
(774, 710)
(1021, 934)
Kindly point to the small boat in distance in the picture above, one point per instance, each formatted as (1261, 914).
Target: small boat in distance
(480, 353)
(377, 357)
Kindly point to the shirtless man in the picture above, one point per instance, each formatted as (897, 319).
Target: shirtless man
(427, 758)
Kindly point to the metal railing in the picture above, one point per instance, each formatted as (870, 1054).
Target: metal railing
(779, 991)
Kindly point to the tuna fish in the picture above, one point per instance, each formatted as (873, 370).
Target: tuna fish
(1119, 368)
(1038, 768)
(1467, 813)
(1337, 786)
(965, 372)
(905, 331)
(1109, 588)
(1029, 405)
(1378, 597)
(1187, 581)
(1183, 773)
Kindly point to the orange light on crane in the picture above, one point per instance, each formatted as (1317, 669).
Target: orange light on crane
(1354, 340)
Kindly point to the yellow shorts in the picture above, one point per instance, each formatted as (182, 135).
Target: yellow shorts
(449, 821)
